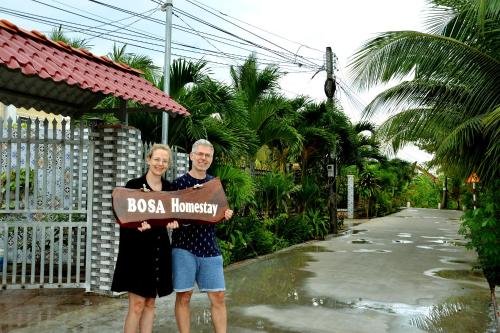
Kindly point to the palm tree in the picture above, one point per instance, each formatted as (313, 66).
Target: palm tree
(58, 35)
(453, 99)
(262, 108)
(368, 187)
(213, 108)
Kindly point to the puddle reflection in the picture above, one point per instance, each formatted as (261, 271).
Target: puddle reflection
(468, 313)
(371, 251)
(361, 241)
(402, 241)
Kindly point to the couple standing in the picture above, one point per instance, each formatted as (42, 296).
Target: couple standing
(149, 266)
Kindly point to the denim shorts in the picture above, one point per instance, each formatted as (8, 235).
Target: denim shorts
(208, 272)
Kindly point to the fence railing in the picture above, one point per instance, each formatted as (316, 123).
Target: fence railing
(44, 221)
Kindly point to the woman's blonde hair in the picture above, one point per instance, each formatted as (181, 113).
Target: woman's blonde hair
(162, 146)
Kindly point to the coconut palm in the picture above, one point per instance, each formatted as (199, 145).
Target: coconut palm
(453, 99)
(262, 108)
(452, 103)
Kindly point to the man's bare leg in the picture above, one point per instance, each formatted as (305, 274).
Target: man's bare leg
(182, 311)
(218, 310)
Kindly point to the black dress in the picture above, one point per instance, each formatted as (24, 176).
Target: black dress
(144, 265)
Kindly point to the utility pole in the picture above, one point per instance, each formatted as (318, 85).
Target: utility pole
(167, 8)
(331, 168)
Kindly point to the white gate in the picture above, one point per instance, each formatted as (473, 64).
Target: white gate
(45, 214)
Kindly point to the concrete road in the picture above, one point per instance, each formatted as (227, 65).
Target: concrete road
(408, 272)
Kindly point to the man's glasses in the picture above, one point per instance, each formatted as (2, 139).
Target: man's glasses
(200, 154)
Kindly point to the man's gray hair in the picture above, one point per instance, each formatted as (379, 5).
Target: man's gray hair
(202, 142)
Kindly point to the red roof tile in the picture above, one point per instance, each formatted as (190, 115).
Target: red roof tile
(34, 54)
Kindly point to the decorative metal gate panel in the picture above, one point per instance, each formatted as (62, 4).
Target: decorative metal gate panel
(45, 206)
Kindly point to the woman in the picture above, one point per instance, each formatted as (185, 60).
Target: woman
(143, 267)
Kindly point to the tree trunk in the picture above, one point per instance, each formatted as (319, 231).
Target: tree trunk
(444, 200)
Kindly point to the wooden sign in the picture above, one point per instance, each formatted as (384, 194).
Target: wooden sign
(205, 203)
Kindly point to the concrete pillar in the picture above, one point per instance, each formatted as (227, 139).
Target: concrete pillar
(350, 196)
(117, 158)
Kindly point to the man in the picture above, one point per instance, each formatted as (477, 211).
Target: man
(195, 253)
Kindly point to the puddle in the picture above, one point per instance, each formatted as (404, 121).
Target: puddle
(402, 241)
(312, 248)
(440, 241)
(449, 250)
(371, 251)
(452, 261)
(461, 274)
(468, 313)
(393, 308)
(361, 241)
(464, 275)
(425, 247)
(351, 232)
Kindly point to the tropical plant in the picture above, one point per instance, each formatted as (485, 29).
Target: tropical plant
(453, 97)
(423, 192)
(238, 185)
(58, 35)
(482, 227)
(26, 181)
(318, 223)
(368, 185)
(255, 92)
(274, 193)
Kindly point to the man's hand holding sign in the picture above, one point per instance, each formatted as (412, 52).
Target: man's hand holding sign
(205, 203)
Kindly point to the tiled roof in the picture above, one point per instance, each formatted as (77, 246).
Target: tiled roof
(33, 54)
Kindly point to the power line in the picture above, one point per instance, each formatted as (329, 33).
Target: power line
(196, 32)
(75, 27)
(193, 17)
(246, 30)
(104, 24)
(90, 18)
(130, 24)
(98, 32)
(254, 26)
(278, 53)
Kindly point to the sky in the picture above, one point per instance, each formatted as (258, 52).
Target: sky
(292, 32)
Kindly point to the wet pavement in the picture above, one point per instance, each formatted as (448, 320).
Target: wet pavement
(408, 272)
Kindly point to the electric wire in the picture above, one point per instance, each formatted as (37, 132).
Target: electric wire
(287, 57)
(90, 30)
(128, 25)
(280, 53)
(126, 39)
(254, 26)
(246, 30)
(116, 21)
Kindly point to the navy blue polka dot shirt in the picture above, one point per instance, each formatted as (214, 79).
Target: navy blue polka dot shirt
(199, 239)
